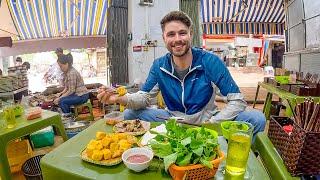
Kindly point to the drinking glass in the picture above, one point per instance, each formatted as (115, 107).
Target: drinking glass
(238, 152)
(9, 116)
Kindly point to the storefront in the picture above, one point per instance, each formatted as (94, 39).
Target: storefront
(238, 38)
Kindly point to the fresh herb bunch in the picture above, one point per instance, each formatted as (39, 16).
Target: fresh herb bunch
(184, 146)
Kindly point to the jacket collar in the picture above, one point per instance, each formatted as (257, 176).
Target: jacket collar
(197, 54)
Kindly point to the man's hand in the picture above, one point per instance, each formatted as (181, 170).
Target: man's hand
(58, 94)
(107, 95)
(56, 101)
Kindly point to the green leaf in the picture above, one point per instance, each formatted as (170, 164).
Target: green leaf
(198, 151)
(206, 163)
(206, 151)
(195, 144)
(186, 160)
(196, 160)
(186, 141)
(170, 159)
(161, 149)
(160, 138)
(212, 157)
(183, 146)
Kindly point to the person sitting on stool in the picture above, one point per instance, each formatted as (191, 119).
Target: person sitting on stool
(75, 92)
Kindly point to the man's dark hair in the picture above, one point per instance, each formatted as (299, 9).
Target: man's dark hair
(70, 58)
(59, 50)
(63, 59)
(66, 59)
(18, 59)
(176, 16)
(26, 64)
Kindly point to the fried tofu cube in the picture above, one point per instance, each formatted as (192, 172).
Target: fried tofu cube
(122, 136)
(90, 149)
(106, 141)
(89, 152)
(115, 138)
(97, 155)
(100, 135)
(99, 146)
(114, 146)
(116, 153)
(132, 139)
(93, 142)
(124, 144)
(106, 154)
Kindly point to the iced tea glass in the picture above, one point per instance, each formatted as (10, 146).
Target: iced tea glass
(238, 151)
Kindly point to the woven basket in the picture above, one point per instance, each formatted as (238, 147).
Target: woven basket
(197, 171)
(299, 150)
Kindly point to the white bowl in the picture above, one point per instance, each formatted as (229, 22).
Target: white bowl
(137, 167)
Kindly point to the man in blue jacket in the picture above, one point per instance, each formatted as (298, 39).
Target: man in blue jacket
(189, 79)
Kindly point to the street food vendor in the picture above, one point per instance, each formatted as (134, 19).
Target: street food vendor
(54, 71)
(74, 92)
(189, 79)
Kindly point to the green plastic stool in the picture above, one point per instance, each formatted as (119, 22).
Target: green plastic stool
(86, 104)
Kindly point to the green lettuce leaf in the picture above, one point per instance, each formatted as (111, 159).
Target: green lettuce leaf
(170, 159)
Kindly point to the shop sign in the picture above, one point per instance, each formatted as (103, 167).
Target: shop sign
(137, 48)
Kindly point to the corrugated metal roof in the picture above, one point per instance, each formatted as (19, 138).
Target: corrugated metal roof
(58, 18)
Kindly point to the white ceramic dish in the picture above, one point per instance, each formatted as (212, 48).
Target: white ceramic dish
(137, 167)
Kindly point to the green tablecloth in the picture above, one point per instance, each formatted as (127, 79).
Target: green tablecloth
(64, 162)
(25, 127)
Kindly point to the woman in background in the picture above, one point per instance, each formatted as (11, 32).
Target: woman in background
(74, 92)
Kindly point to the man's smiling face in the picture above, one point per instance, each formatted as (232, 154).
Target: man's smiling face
(177, 37)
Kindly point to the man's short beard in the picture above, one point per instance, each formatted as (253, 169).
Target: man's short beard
(184, 53)
(181, 55)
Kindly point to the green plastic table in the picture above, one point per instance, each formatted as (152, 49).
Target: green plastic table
(271, 89)
(271, 159)
(25, 127)
(64, 162)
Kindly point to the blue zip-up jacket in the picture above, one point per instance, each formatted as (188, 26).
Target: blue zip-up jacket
(194, 95)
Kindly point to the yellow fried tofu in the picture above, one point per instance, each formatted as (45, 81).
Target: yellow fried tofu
(100, 135)
(99, 146)
(89, 150)
(122, 135)
(93, 142)
(97, 155)
(124, 144)
(115, 137)
(106, 154)
(123, 141)
(116, 153)
(132, 139)
(106, 141)
(125, 147)
(114, 146)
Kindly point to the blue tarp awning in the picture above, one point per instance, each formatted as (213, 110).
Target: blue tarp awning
(36, 19)
(242, 16)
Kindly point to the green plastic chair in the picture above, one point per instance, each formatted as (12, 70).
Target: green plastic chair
(86, 104)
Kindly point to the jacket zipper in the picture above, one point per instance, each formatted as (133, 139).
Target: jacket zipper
(182, 84)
